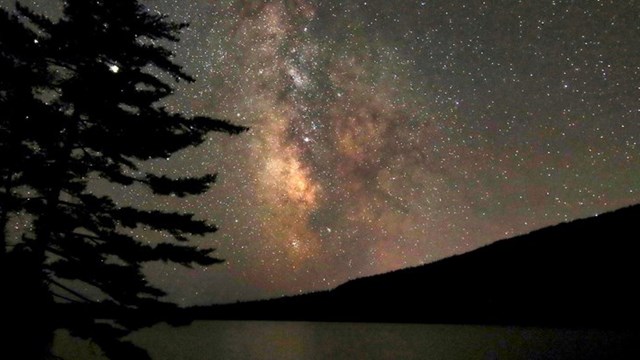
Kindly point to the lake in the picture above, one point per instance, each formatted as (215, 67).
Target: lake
(310, 340)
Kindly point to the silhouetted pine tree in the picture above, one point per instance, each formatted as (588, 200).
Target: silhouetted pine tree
(22, 74)
(23, 113)
(106, 59)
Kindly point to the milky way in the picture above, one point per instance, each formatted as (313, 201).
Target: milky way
(390, 134)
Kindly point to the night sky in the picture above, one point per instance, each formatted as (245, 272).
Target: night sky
(387, 134)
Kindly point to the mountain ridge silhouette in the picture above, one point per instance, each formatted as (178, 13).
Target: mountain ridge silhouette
(578, 273)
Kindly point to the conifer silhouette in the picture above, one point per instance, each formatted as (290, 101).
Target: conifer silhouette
(95, 120)
(24, 73)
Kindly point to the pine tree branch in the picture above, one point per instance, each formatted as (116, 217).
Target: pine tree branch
(217, 125)
(66, 298)
(163, 185)
(60, 253)
(173, 223)
(93, 239)
(73, 292)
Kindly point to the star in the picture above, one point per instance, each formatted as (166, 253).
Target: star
(386, 137)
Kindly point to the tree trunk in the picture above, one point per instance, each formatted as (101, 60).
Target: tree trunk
(4, 215)
(35, 317)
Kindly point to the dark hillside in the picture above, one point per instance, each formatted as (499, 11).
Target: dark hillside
(581, 273)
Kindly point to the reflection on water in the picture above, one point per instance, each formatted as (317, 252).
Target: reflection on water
(305, 340)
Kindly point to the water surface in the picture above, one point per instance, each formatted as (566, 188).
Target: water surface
(307, 340)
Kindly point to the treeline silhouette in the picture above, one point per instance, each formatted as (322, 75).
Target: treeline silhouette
(79, 106)
(577, 274)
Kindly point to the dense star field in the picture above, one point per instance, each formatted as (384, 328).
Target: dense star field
(390, 134)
